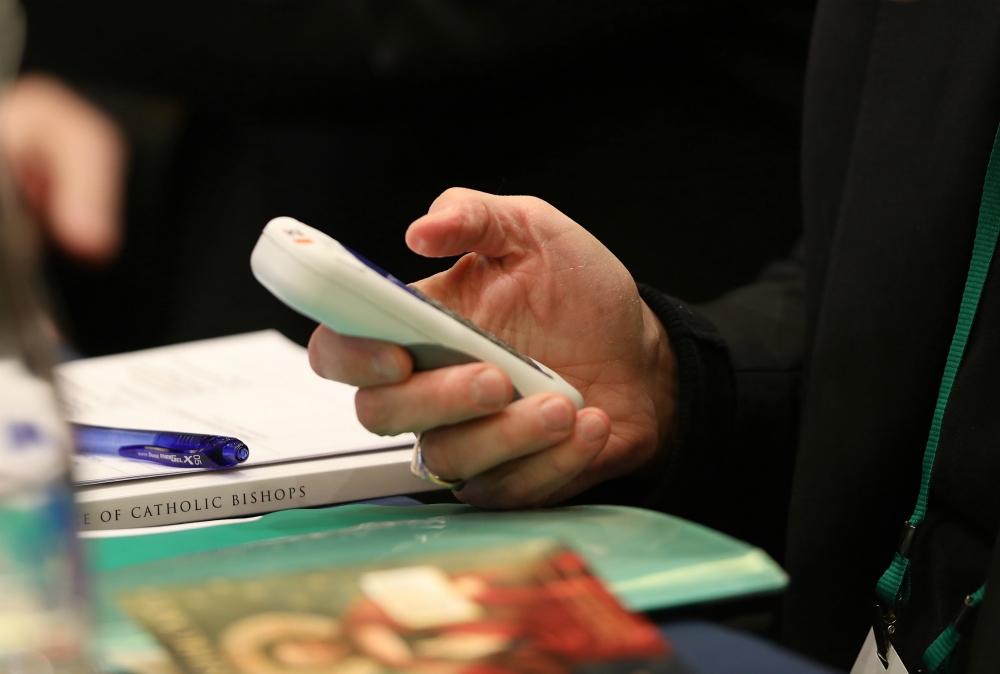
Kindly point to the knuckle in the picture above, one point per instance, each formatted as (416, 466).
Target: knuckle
(541, 434)
(453, 193)
(531, 203)
(452, 381)
(458, 391)
(493, 500)
(510, 430)
(313, 350)
(317, 363)
(514, 491)
(320, 358)
(451, 196)
(565, 461)
(439, 461)
(469, 496)
(504, 491)
(477, 211)
(477, 493)
(373, 412)
(534, 209)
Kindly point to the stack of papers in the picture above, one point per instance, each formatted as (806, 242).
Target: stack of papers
(257, 387)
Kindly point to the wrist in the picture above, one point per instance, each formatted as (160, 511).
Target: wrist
(662, 382)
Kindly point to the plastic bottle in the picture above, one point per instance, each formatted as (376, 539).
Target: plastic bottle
(41, 600)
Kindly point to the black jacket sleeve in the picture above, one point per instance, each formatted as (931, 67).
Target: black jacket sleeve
(740, 361)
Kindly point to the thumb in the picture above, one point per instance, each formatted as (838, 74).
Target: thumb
(466, 221)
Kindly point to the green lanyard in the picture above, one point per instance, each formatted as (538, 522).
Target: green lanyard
(894, 587)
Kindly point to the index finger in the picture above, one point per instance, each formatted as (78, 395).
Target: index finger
(357, 361)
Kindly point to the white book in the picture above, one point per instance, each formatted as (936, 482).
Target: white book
(257, 387)
(239, 492)
(307, 447)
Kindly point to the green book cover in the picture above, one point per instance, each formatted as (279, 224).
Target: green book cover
(647, 560)
(528, 607)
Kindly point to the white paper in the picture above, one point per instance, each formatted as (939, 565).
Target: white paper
(257, 387)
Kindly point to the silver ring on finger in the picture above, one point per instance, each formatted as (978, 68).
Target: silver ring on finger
(418, 468)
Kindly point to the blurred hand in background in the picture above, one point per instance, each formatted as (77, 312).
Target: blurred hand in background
(68, 158)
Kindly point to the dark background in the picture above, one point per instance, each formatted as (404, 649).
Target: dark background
(670, 130)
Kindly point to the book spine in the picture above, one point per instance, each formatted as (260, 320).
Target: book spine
(102, 510)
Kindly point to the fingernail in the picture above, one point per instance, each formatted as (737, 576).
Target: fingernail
(419, 246)
(591, 427)
(385, 365)
(555, 414)
(489, 389)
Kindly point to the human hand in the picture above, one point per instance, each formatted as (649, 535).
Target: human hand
(536, 279)
(68, 159)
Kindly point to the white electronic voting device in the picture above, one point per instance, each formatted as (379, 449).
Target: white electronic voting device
(320, 278)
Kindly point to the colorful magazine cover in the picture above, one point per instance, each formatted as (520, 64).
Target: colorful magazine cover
(530, 608)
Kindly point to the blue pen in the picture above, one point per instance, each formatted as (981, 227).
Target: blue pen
(179, 450)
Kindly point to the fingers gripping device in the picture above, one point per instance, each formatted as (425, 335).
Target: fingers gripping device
(322, 279)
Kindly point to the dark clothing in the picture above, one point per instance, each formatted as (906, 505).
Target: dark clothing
(850, 338)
